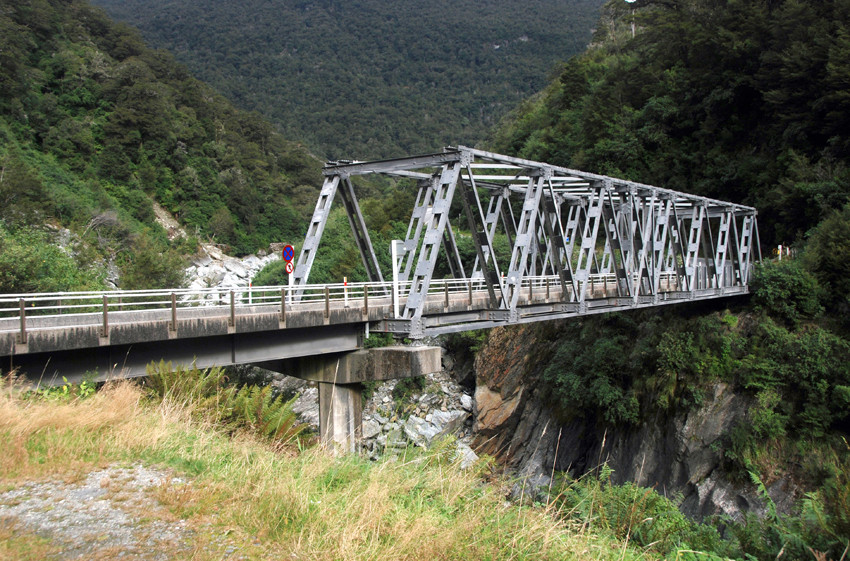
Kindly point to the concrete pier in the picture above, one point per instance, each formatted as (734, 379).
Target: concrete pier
(341, 378)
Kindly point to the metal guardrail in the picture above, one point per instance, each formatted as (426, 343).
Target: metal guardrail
(64, 305)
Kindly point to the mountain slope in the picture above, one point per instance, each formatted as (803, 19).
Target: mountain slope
(95, 126)
(369, 79)
(745, 101)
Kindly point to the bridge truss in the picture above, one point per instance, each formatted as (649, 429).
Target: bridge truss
(588, 242)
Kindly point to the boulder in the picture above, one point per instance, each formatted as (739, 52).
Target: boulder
(466, 402)
(371, 429)
(420, 431)
(465, 455)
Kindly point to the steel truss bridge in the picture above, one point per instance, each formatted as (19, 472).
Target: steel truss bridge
(580, 244)
(571, 233)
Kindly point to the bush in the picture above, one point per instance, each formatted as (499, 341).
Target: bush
(635, 513)
(785, 291)
(29, 262)
(827, 255)
(207, 394)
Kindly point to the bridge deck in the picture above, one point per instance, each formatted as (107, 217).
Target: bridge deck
(125, 319)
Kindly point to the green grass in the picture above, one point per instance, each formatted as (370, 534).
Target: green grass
(281, 502)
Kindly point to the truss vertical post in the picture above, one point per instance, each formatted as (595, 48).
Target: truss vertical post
(722, 245)
(644, 216)
(659, 242)
(483, 240)
(421, 212)
(587, 252)
(559, 256)
(614, 245)
(526, 232)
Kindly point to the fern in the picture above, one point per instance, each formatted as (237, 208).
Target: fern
(206, 394)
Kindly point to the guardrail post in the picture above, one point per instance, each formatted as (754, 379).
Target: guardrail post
(469, 292)
(283, 305)
(173, 326)
(366, 299)
(447, 295)
(22, 337)
(547, 289)
(232, 320)
(327, 302)
(530, 290)
(605, 285)
(105, 331)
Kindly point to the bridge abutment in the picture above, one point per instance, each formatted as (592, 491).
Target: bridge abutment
(341, 376)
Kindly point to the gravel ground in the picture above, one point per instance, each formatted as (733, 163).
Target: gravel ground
(110, 514)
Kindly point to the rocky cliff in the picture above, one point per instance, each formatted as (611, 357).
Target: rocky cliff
(679, 455)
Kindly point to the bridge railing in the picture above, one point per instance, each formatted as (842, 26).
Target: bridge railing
(18, 307)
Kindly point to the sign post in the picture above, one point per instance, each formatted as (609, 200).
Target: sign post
(288, 254)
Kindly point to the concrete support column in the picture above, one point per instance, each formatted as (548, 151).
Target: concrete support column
(340, 377)
(340, 415)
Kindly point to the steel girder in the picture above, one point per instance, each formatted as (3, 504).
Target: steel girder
(578, 228)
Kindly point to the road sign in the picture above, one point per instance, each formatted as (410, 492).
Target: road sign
(289, 267)
(288, 253)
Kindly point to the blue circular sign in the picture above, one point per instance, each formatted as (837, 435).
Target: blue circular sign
(288, 253)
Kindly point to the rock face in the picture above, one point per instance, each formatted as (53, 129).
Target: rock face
(676, 454)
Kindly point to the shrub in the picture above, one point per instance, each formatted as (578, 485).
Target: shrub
(635, 513)
(206, 393)
(786, 292)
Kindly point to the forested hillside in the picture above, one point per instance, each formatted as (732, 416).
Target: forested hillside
(95, 126)
(746, 101)
(371, 78)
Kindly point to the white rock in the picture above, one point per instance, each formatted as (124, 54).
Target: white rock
(251, 262)
(202, 261)
(420, 431)
(371, 429)
(465, 455)
(466, 402)
(236, 268)
(448, 420)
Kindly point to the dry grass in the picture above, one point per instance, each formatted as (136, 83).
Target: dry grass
(307, 505)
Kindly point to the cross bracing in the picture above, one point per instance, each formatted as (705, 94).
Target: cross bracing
(569, 231)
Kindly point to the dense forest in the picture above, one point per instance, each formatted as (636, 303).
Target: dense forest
(95, 126)
(748, 102)
(369, 79)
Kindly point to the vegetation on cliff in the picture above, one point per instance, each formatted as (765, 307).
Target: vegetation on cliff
(745, 101)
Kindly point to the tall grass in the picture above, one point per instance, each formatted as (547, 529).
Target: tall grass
(283, 503)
